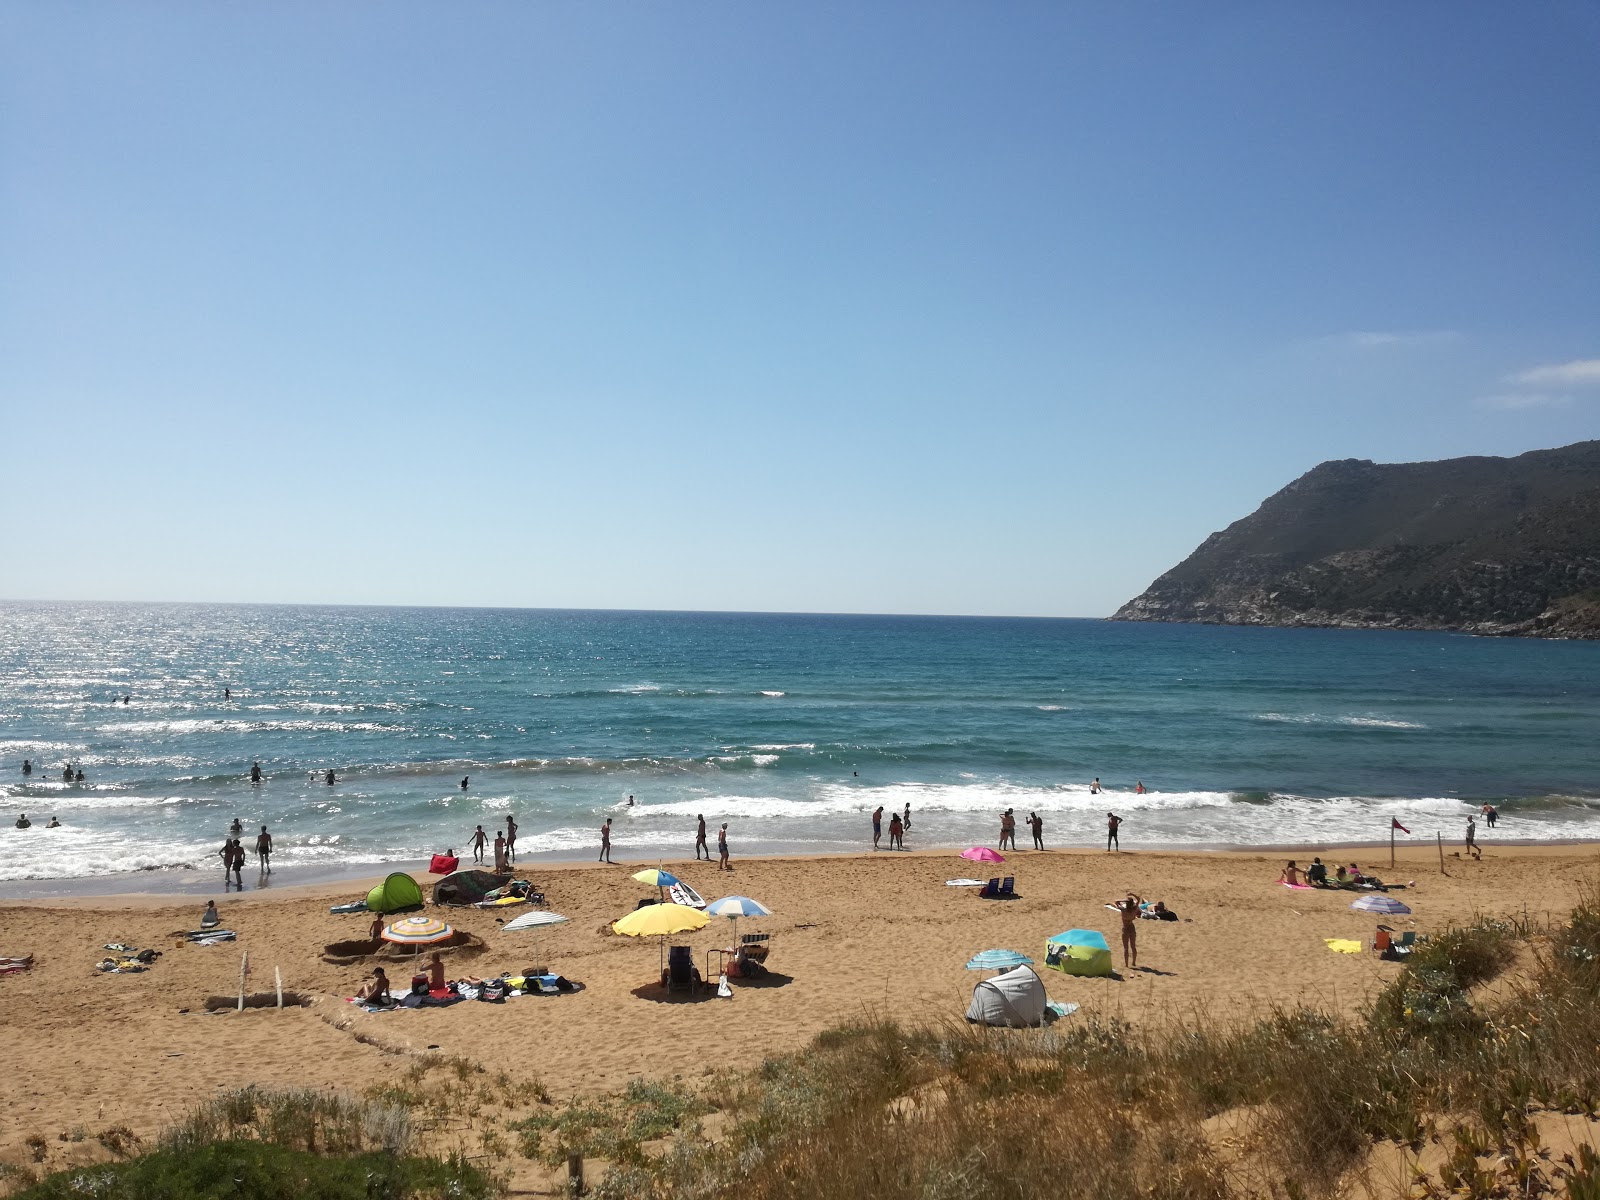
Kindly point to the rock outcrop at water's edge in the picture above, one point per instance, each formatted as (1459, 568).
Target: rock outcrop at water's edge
(1493, 546)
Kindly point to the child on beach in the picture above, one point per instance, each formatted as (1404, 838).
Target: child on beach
(896, 832)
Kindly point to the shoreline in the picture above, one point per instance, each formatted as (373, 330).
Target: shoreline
(302, 882)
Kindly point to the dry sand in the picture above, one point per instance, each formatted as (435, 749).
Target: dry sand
(874, 934)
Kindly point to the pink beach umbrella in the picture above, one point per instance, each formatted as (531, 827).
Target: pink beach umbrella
(982, 854)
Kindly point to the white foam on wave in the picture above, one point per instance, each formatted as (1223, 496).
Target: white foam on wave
(774, 694)
(1050, 707)
(225, 725)
(783, 746)
(1352, 720)
(634, 689)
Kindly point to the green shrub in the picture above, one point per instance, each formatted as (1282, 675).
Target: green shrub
(251, 1170)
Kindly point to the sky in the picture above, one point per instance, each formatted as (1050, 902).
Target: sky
(888, 307)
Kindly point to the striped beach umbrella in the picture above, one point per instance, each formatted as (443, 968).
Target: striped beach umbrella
(1380, 904)
(734, 907)
(417, 931)
(997, 960)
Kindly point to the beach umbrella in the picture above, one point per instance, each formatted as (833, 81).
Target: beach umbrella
(982, 854)
(661, 920)
(734, 907)
(656, 878)
(997, 960)
(417, 931)
(532, 920)
(1379, 904)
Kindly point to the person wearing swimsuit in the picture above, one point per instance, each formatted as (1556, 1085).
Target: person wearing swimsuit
(1129, 909)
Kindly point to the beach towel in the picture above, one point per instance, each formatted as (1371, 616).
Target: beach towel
(443, 864)
(1299, 887)
(358, 906)
(1059, 1010)
(963, 883)
(1343, 945)
(211, 937)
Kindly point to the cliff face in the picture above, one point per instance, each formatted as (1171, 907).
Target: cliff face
(1484, 545)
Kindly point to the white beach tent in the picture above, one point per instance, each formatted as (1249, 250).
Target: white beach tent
(1014, 998)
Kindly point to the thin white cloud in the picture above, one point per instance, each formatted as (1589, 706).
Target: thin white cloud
(1516, 401)
(1377, 339)
(1582, 372)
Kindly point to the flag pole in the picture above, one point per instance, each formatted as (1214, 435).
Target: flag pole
(1391, 841)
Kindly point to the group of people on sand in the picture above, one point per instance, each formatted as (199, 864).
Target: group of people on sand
(1008, 830)
(505, 845)
(1348, 878)
(899, 823)
(233, 854)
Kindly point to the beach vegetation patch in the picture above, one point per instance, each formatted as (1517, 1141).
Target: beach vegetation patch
(254, 1170)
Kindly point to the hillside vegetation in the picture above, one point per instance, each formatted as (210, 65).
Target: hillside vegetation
(1507, 546)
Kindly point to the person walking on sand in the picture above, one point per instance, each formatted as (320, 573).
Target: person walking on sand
(605, 841)
(700, 838)
(896, 841)
(479, 840)
(1113, 823)
(722, 848)
(877, 826)
(1472, 838)
(500, 867)
(1036, 824)
(1129, 909)
(1008, 829)
(264, 850)
(511, 839)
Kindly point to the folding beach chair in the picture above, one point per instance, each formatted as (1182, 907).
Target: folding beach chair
(991, 890)
(1008, 887)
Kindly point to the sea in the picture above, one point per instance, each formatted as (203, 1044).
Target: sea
(789, 728)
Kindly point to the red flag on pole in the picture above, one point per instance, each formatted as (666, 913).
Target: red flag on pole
(1394, 824)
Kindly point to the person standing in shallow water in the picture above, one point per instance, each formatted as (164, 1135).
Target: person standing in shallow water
(264, 850)
(877, 826)
(700, 838)
(1008, 829)
(896, 829)
(605, 841)
(1036, 826)
(479, 840)
(1113, 823)
(511, 839)
(255, 772)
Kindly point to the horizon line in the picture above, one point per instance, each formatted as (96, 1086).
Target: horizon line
(727, 612)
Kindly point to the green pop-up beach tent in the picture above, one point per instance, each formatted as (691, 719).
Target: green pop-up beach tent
(1078, 952)
(397, 893)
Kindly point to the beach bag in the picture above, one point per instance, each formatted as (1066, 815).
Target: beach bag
(419, 985)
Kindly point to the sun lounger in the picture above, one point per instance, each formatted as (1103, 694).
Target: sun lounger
(681, 974)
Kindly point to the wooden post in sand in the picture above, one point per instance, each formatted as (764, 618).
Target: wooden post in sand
(1391, 842)
(1442, 871)
(574, 1174)
(277, 975)
(244, 967)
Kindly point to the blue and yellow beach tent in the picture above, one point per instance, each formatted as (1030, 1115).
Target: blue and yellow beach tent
(1078, 952)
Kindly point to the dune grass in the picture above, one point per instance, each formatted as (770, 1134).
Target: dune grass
(1290, 1106)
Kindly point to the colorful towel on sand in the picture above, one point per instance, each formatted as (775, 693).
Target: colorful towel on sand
(963, 883)
(1343, 945)
(1299, 887)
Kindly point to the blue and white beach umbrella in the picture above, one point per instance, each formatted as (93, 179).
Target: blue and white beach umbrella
(1379, 904)
(997, 960)
(734, 907)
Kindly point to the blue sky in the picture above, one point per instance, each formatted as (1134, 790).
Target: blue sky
(849, 307)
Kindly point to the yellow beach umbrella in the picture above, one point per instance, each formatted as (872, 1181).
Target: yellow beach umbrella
(661, 920)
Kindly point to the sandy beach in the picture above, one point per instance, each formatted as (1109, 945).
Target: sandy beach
(851, 935)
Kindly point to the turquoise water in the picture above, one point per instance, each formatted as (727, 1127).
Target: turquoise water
(790, 728)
